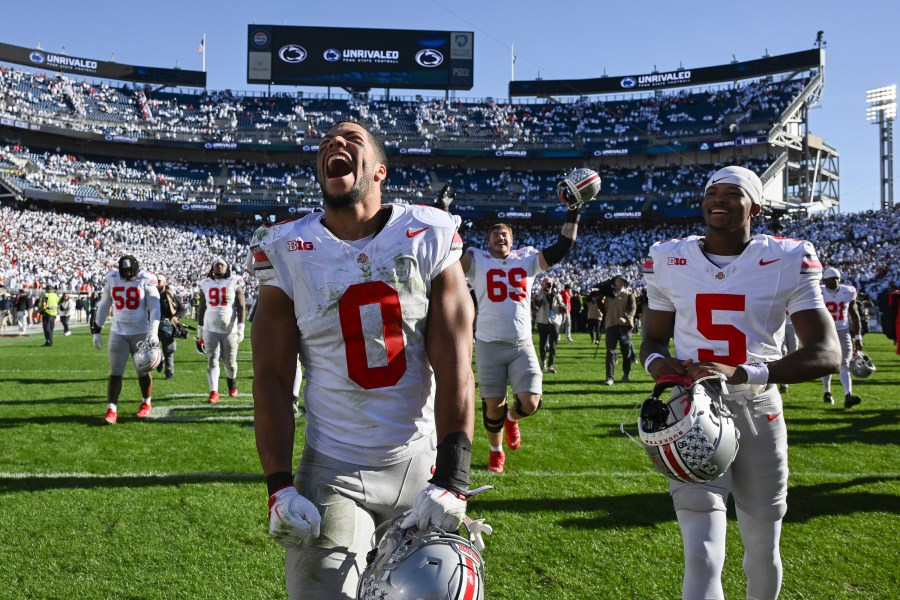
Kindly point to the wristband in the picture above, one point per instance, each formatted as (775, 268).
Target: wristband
(451, 465)
(649, 360)
(858, 337)
(278, 480)
(757, 373)
(573, 215)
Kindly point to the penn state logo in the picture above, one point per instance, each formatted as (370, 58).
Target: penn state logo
(292, 53)
(628, 82)
(37, 57)
(429, 58)
(332, 55)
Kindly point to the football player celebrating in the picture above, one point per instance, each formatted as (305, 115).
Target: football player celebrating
(220, 320)
(723, 297)
(840, 300)
(133, 295)
(374, 300)
(501, 278)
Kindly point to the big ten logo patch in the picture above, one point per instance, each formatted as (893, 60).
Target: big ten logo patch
(294, 245)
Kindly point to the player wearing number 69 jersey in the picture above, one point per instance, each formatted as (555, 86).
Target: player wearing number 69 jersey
(374, 300)
(723, 297)
(133, 296)
(220, 317)
(502, 279)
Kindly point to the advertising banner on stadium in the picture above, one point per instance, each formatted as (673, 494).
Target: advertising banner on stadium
(51, 61)
(783, 63)
(360, 58)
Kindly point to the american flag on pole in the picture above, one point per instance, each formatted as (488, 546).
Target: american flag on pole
(202, 47)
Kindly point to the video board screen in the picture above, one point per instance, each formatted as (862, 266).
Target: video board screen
(360, 58)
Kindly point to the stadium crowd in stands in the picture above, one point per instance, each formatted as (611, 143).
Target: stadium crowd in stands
(72, 252)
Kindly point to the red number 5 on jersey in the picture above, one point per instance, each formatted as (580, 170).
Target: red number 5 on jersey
(706, 305)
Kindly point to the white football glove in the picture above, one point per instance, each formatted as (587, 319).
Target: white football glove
(476, 527)
(240, 332)
(436, 507)
(98, 341)
(152, 339)
(292, 518)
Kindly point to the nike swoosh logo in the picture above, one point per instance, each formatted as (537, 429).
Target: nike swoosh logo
(716, 180)
(773, 417)
(411, 234)
(762, 262)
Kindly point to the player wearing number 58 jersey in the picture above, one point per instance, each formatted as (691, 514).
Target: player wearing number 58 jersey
(221, 320)
(723, 298)
(133, 296)
(373, 299)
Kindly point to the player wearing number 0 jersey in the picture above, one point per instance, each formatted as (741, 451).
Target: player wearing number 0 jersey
(374, 301)
(723, 298)
(220, 317)
(840, 300)
(133, 296)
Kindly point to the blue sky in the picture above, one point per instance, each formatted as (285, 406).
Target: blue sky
(559, 39)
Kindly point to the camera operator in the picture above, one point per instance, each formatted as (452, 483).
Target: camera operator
(594, 305)
(619, 309)
(171, 309)
(550, 314)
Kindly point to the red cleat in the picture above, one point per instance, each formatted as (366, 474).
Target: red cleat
(214, 397)
(111, 416)
(233, 393)
(495, 461)
(513, 436)
(143, 411)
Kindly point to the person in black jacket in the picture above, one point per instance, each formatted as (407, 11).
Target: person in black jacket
(171, 309)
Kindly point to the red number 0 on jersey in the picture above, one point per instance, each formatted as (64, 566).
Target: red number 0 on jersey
(387, 299)
(497, 288)
(737, 340)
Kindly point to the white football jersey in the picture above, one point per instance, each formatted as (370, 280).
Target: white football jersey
(838, 304)
(361, 313)
(219, 295)
(131, 310)
(734, 314)
(503, 292)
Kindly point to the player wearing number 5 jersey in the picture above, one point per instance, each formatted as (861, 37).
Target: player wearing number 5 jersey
(220, 317)
(840, 300)
(723, 298)
(133, 296)
(374, 300)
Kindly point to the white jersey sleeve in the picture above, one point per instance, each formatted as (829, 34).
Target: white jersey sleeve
(219, 295)
(838, 304)
(734, 314)
(503, 292)
(361, 314)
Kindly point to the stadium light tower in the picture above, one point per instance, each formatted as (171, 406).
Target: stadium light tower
(882, 109)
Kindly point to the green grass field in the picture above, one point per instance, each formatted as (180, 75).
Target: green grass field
(175, 507)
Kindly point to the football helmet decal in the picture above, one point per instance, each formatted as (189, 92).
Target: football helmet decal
(147, 357)
(129, 267)
(692, 437)
(410, 564)
(861, 365)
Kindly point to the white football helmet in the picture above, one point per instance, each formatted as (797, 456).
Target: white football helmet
(861, 365)
(147, 357)
(578, 187)
(409, 564)
(692, 437)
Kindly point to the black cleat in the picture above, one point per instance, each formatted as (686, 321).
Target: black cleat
(850, 400)
(829, 399)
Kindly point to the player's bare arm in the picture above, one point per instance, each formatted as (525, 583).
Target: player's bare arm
(275, 346)
(240, 304)
(449, 347)
(819, 354)
(659, 329)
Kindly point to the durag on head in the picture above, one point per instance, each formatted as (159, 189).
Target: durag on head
(745, 179)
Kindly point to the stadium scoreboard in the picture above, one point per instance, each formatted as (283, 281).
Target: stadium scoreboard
(360, 58)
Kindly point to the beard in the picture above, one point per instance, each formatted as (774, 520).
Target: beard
(345, 200)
